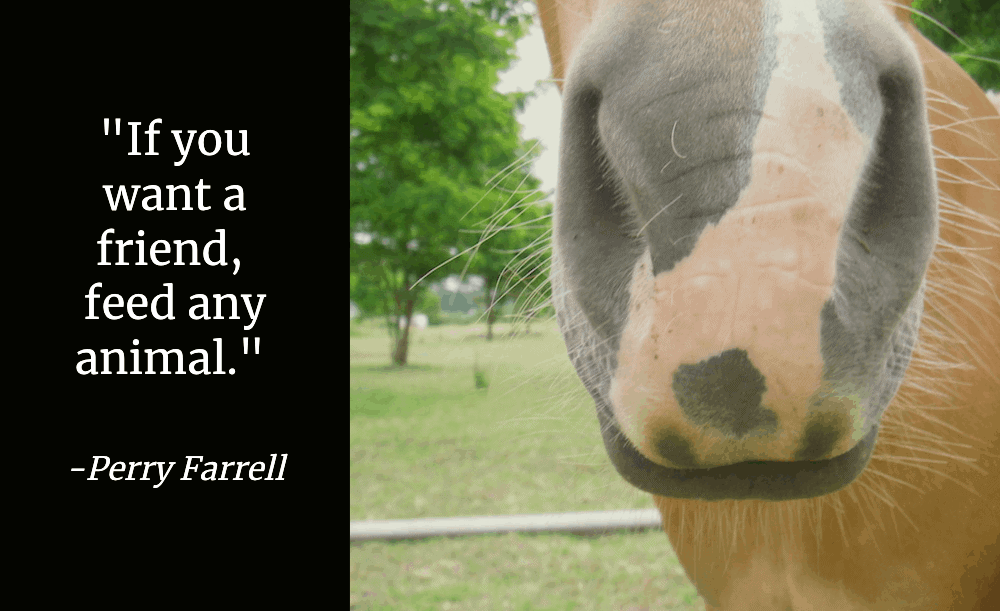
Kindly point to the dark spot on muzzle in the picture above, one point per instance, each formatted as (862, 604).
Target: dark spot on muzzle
(822, 434)
(724, 392)
(677, 449)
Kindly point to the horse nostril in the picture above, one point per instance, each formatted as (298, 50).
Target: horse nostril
(724, 392)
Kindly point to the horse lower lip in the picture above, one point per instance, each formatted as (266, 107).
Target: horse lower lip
(762, 480)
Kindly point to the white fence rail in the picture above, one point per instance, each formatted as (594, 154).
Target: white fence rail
(581, 522)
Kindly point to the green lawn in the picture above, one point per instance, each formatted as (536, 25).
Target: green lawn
(426, 442)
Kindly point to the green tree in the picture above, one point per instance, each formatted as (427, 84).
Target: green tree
(976, 23)
(428, 132)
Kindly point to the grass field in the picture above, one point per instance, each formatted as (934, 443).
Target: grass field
(426, 442)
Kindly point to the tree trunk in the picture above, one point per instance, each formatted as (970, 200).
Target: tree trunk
(391, 314)
(392, 325)
(491, 313)
(402, 346)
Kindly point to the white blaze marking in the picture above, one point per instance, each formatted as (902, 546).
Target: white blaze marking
(801, 53)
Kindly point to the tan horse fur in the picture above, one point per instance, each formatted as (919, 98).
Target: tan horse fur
(918, 529)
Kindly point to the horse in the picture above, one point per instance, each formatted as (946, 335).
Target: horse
(775, 267)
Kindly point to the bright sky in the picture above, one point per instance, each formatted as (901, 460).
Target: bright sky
(541, 117)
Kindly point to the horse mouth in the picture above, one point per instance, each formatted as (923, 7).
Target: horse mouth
(762, 480)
